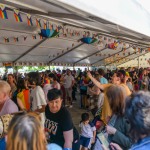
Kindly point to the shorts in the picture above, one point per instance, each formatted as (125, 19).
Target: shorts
(68, 92)
(85, 142)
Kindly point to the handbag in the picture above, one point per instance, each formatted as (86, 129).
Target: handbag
(102, 137)
(4, 123)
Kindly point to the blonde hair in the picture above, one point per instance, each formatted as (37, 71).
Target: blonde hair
(25, 132)
(116, 95)
(5, 87)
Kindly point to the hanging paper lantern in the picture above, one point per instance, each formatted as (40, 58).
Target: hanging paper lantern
(48, 33)
(88, 40)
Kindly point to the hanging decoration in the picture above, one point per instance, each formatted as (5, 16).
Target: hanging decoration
(8, 64)
(88, 40)
(34, 37)
(25, 37)
(41, 37)
(29, 20)
(51, 26)
(45, 24)
(38, 23)
(16, 39)
(3, 13)
(6, 40)
(48, 33)
(17, 16)
(113, 45)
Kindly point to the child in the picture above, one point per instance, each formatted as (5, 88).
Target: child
(88, 132)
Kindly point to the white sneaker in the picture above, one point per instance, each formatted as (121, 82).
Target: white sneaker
(70, 106)
(66, 105)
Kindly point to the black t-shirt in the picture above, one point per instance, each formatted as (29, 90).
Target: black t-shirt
(57, 123)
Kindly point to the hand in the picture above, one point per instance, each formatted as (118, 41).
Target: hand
(110, 130)
(89, 74)
(93, 140)
(115, 146)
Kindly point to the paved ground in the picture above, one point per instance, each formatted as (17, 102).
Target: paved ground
(76, 112)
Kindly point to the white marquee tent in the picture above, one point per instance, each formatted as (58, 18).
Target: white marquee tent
(120, 30)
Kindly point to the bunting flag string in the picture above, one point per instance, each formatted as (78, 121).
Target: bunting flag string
(38, 23)
(29, 20)
(45, 24)
(16, 39)
(51, 26)
(17, 16)
(41, 37)
(34, 37)
(57, 28)
(25, 37)
(67, 31)
(6, 40)
(3, 13)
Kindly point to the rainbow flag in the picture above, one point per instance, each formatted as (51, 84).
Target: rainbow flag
(38, 23)
(29, 20)
(3, 13)
(17, 16)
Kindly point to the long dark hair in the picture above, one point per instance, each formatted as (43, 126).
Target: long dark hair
(54, 77)
(20, 84)
(34, 78)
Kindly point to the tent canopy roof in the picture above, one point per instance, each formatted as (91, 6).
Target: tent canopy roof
(75, 21)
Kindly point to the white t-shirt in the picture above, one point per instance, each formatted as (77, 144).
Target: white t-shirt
(87, 130)
(68, 81)
(46, 88)
(37, 98)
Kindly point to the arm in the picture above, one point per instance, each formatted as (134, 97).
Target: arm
(73, 83)
(67, 127)
(96, 92)
(68, 136)
(20, 104)
(94, 135)
(41, 101)
(97, 83)
(122, 139)
(40, 110)
(120, 133)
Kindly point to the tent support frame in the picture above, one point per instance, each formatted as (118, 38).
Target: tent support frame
(110, 55)
(66, 52)
(26, 52)
(134, 58)
(90, 55)
(122, 58)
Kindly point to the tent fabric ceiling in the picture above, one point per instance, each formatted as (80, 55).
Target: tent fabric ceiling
(70, 19)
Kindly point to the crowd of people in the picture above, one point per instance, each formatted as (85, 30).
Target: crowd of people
(39, 105)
